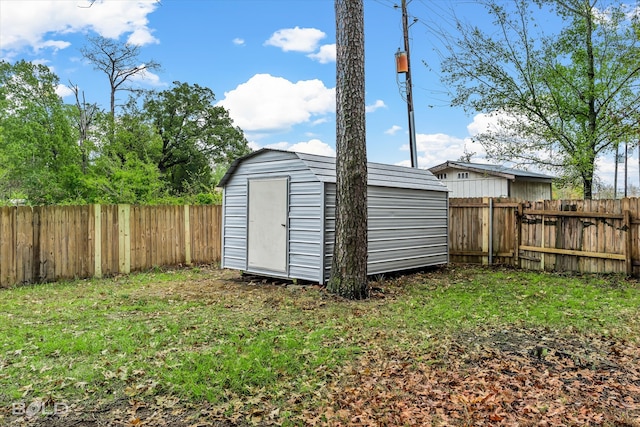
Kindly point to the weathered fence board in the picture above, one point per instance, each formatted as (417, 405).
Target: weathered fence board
(590, 236)
(48, 243)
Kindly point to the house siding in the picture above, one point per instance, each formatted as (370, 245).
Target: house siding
(475, 185)
(481, 180)
(527, 190)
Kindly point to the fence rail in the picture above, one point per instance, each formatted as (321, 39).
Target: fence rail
(587, 236)
(48, 243)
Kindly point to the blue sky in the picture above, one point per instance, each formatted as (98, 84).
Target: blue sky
(271, 63)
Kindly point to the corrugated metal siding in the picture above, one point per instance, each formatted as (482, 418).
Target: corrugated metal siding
(378, 174)
(304, 221)
(305, 229)
(329, 227)
(406, 229)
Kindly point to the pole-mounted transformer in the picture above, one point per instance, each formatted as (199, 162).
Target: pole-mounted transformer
(403, 66)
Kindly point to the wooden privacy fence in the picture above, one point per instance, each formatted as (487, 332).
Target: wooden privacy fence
(587, 236)
(62, 242)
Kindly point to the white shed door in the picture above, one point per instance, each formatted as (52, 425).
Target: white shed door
(267, 235)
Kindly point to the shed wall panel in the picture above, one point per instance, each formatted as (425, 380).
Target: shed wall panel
(305, 230)
(406, 229)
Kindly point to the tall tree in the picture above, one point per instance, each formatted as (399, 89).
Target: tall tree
(195, 135)
(83, 119)
(119, 61)
(41, 160)
(561, 100)
(349, 265)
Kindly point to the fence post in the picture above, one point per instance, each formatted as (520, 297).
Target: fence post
(626, 225)
(542, 254)
(485, 230)
(187, 236)
(516, 234)
(97, 241)
(124, 239)
(491, 231)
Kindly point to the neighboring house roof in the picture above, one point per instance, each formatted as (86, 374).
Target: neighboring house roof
(495, 170)
(324, 168)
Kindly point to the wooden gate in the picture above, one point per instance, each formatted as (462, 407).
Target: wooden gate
(587, 236)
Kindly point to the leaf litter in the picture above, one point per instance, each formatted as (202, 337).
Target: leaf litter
(511, 375)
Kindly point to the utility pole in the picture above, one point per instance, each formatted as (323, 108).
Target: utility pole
(408, 87)
(626, 167)
(615, 173)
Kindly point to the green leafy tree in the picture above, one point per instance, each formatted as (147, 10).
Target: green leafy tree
(125, 166)
(195, 136)
(561, 100)
(41, 160)
(349, 265)
(129, 180)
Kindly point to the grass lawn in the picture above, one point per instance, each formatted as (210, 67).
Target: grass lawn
(460, 345)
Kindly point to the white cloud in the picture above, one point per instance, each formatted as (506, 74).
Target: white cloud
(147, 77)
(238, 41)
(313, 146)
(55, 44)
(436, 148)
(40, 24)
(253, 145)
(63, 91)
(266, 103)
(278, 145)
(484, 122)
(141, 37)
(393, 130)
(296, 39)
(376, 105)
(326, 54)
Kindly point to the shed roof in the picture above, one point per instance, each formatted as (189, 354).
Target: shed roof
(379, 174)
(496, 170)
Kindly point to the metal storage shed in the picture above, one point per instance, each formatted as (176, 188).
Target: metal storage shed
(278, 216)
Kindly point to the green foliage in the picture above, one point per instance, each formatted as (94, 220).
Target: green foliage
(195, 134)
(129, 180)
(40, 157)
(171, 147)
(561, 100)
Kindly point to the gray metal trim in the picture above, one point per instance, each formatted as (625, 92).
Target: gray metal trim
(224, 228)
(321, 273)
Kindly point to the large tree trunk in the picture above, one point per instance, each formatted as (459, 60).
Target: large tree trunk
(349, 268)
